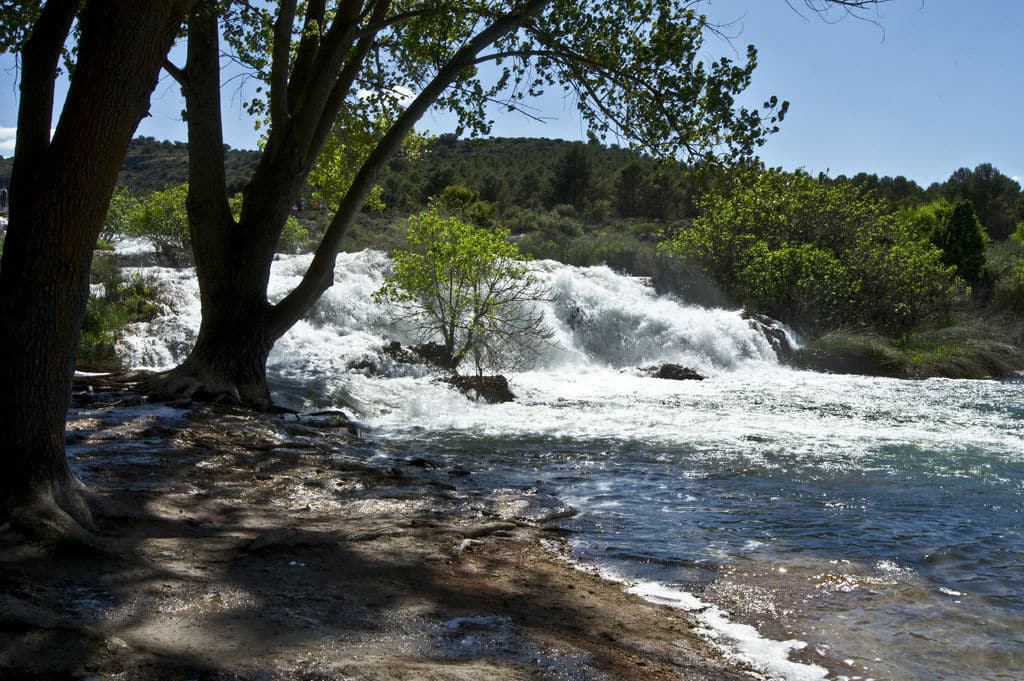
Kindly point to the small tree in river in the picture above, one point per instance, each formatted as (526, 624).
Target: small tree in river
(470, 287)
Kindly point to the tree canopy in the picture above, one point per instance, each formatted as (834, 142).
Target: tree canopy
(818, 254)
(358, 76)
(469, 287)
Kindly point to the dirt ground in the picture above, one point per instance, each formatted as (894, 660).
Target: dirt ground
(248, 546)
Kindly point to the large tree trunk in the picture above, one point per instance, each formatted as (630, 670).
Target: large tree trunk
(60, 191)
(228, 362)
(233, 260)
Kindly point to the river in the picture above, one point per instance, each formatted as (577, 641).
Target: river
(818, 526)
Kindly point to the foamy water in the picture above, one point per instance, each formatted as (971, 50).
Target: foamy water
(816, 525)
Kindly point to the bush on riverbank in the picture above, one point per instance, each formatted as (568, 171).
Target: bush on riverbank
(971, 348)
(818, 255)
(117, 301)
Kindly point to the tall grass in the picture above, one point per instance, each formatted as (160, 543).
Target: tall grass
(974, 347)
(122, 301)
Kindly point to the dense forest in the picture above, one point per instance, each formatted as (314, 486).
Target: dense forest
(591, 183)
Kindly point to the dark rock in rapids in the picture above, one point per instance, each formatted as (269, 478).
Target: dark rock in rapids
(392, 350)
(773, 332)
(675, 372)
(493, 389)
(433, 354)
(331, 418)
(436, 354)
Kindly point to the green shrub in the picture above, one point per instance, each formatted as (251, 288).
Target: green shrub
(548, 224)
(122, 302)
(802, 283)
(293, 236)
(161, 217)
(459, 201)
(120, 212)
(1009, 290)
(538, 247)
(962, 240)
(906, 284)
(468, 286)
(818, 255)
(616, 249)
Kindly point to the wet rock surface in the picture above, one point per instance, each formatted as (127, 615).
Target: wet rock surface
(674, 372)
(254, 546)
(773, 332)
(492, 389)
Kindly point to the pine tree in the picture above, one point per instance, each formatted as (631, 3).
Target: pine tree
(962, 240)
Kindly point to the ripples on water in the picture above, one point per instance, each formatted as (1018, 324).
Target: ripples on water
(885, 528)
(878, 520)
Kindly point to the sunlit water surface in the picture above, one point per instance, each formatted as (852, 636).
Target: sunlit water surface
(868, 527)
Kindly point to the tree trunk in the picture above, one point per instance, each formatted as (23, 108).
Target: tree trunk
(60, 191)
(233, 260)
(228, 362)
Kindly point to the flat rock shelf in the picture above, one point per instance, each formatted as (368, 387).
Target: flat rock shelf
(235, 545)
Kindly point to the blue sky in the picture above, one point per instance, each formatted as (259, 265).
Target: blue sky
(921, 88)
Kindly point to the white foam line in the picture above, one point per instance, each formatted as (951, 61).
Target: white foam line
(740, 642)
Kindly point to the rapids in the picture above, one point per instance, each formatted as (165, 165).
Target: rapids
(817, 525)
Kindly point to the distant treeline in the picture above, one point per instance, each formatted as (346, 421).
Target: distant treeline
(595, 183)
(907, 280)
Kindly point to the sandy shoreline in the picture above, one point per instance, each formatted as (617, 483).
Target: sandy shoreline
(240, 546)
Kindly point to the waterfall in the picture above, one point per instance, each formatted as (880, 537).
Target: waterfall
(600, 316)
(599, 319)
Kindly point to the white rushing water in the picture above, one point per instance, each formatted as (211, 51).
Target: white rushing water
(851, 507)
(599, 318)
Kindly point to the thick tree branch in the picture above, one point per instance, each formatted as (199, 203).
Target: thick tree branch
(328, 61)
(342, 86)
(320, 275)
(175, 72)
(279, 107)
(207, 196)
(40, 57)
(312, 28)
(287, 159)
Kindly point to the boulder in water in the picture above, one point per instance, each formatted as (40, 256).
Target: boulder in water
(493, 389)
(331, 418)
(436, 354)
(774, 333)
(429, 353)
(395, 351)
(674, 372)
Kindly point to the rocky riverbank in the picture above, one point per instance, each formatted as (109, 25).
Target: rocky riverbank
(235, 545)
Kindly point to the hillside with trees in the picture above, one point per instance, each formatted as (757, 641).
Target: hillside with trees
(876, 257)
